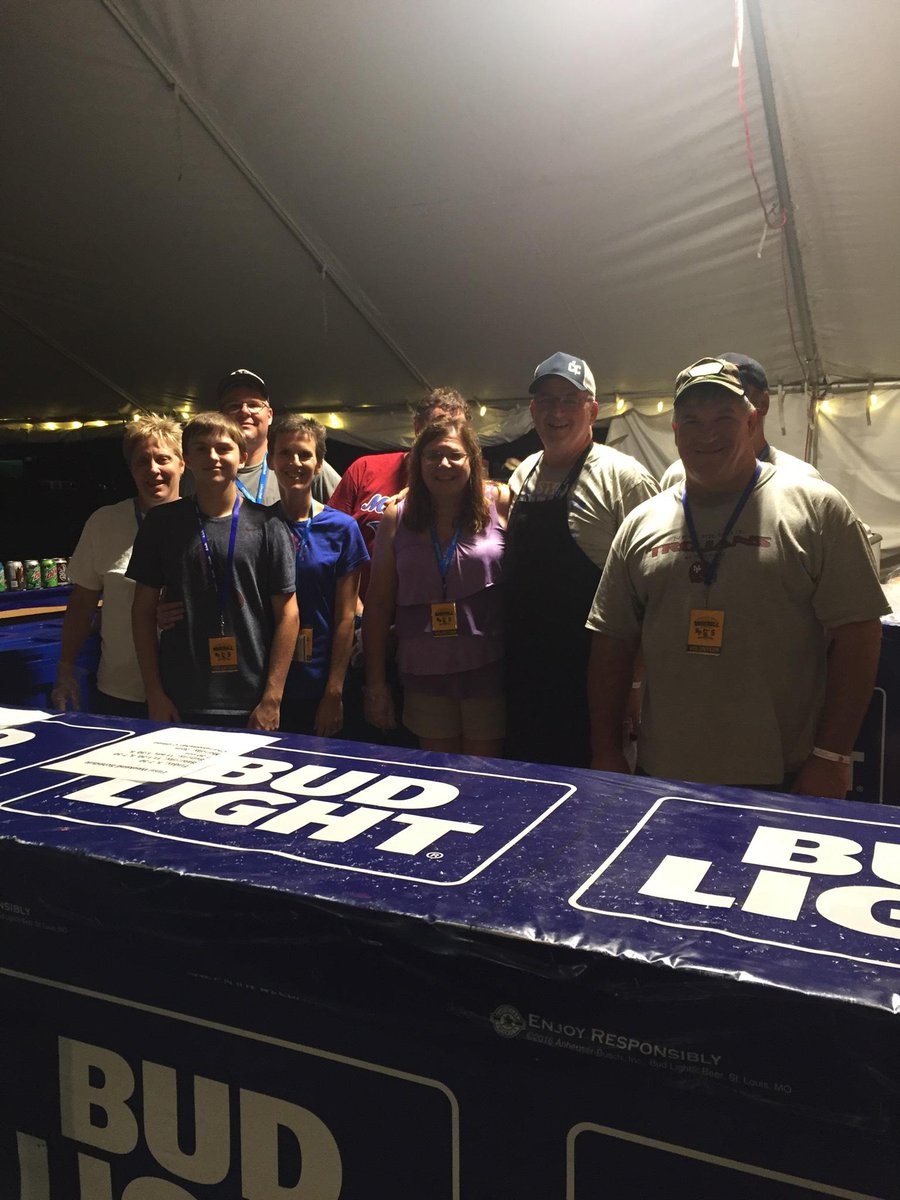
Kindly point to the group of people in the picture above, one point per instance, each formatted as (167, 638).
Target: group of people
(726, 625)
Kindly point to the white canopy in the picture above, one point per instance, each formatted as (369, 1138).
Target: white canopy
(358, 198)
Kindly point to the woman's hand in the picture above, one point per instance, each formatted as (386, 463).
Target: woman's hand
(379, 706)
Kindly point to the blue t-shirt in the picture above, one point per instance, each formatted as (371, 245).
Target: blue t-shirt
(333, 548)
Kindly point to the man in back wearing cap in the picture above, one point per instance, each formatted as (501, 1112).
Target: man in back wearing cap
(244, 397)
(756, 389)
(753, 597)
(568, 502)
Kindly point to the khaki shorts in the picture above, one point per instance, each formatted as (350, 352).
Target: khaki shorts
(481, 718)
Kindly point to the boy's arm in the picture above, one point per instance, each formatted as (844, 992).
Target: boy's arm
(330, 712)
(267, 714)
(143, 628)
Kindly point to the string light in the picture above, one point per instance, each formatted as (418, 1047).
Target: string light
(660, 406)
(482, 412)
(620, 403)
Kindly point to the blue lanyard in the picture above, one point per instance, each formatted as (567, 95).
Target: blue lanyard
(444, 560)
(300, 531)
(261, 486)
(222, 587)
(710, 568)
(763, 455)
(138, 515)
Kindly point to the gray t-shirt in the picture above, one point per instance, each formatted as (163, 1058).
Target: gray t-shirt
(168, 553)
(795, 564)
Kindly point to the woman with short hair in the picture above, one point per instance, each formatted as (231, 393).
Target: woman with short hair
(152, 449)
(330, 554)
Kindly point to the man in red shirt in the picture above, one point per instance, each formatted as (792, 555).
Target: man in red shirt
(369, 483)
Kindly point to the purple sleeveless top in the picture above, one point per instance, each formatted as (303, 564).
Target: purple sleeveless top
(473, 582)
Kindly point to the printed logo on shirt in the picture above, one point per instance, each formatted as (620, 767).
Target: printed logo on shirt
(376, 504)
(709, 545)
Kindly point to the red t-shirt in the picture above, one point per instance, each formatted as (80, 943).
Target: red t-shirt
(364, 490)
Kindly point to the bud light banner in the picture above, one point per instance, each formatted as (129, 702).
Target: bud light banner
(823, 885)
(132, 1101)
(256, 795)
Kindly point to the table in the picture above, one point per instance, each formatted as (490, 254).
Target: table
(378, 972)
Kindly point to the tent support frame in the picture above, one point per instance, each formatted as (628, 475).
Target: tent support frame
(346, 287)
(812, 366)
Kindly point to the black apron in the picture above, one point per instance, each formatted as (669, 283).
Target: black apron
(549, 586)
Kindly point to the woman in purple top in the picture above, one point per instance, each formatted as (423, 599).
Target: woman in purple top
(436, 573)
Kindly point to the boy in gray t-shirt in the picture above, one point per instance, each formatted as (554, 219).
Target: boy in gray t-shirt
(231, 564)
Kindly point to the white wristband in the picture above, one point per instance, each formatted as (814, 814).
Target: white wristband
(831, 756)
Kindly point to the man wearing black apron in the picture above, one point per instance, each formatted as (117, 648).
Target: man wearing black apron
(569, 501)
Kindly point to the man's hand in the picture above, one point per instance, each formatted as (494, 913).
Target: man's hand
(819, 777)
(160, 708)
(266, 715)
(66, 691)
(611, 760)
(329, 715)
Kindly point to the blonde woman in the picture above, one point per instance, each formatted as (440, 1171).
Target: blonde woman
(152, 449)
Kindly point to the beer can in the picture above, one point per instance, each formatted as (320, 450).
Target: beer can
(15, 575)
(62, 570)
(49, 578)
(2, 578)
(32, 574)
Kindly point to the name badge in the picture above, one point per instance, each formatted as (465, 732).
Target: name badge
(223, 654)
(304, 646)
(443, 619)
(706, 631)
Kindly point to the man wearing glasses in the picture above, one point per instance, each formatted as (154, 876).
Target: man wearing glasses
(244, 397)
(752, 594)
(568, 502)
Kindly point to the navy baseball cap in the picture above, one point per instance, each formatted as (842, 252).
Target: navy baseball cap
(567, 366)
(751, 371)
(242, 378)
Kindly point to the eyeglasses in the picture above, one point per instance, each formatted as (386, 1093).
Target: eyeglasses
(569, 402)
(235, 406)
(454, 457)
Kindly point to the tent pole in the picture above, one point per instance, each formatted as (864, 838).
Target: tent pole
(345, 286)
(776, 149)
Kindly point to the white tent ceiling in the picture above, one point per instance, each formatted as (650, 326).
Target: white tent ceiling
(353, 197)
